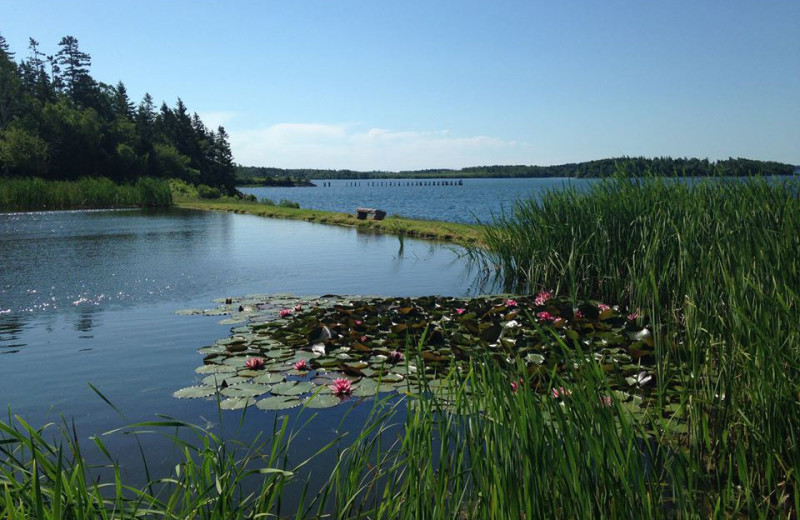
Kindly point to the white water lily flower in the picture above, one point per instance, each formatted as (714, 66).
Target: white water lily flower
(640, 379)
(513, 324)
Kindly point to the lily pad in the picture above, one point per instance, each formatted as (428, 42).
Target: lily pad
(195, 392)
(321, 400)
(279, 402)
(237, 403)
(293, 388)
(245, 390)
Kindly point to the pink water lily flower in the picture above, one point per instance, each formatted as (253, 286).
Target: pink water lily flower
(363, 339)
(460, 311)
(516, 385)
(545, 316)
(578, 315)
(358, 322)
(298, 307)
(603, 307)
(341, 387)
(561, 392)
(254, 363)
(542, 298)
(511, 303)
(633, 316)
(395, 356)
(605, 401)
(285, 312)
(301, 365)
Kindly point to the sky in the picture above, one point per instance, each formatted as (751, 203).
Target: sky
(417, 84)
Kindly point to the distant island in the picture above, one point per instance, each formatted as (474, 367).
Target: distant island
(636, 166)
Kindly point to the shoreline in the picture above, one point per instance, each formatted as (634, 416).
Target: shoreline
(461, 234)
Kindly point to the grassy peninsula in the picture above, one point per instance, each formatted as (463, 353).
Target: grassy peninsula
(463, 234)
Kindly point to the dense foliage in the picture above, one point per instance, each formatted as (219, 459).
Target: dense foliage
(634, 166)
(35, 194)
(58, 122)
(715, 266)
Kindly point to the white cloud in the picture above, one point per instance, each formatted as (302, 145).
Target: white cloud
(216, 118)
(295, 145)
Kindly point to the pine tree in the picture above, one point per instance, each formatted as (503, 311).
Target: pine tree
(122, 105)
(74, 67)
(9, 85)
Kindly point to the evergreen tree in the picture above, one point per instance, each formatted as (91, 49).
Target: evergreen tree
(74, 67)
(10, 85)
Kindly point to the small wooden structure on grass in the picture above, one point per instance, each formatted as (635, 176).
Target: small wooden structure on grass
(377, 214)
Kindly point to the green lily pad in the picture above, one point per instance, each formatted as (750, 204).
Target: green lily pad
(366, 388)
(321, 400)
(293, 388)
(236, 403)
(215, 369)
(195, 392)
(279, 402)
(245, 390)
(269, 378)
(217, 379)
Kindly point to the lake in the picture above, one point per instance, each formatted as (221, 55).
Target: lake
(89, 297)
(475, 200)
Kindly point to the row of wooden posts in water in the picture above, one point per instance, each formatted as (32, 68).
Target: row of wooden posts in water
(327, 184)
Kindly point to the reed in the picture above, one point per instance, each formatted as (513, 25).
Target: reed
(717, 266)
(34, 194)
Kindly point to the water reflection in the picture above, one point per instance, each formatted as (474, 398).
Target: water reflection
(10, 330)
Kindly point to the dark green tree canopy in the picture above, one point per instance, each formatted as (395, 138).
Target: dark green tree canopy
(58, 122)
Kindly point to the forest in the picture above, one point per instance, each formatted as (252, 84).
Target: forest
(635, 166)
(57, 122)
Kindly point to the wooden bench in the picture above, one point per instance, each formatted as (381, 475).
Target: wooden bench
(377, 214)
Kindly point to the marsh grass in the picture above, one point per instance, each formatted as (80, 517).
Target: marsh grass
(716, 266)
(34, 194)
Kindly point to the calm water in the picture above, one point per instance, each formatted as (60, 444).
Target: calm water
(90, 297)
(475, 200)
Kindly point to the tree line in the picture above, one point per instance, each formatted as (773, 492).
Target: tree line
(636, 166)
(58, 122)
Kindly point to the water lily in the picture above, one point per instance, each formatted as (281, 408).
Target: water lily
(605, 401)
(633, 316)
(511, 303)
(363, 339)
(545, 316)
(358, 322)
(578, 315)
(298, 308)
(341, 387)
(254, 363)
(301, 365)
(542, 298)
(460, 311)
(561, 392)
(285, 312)
(395, 356)
(513, 324)
(603, 307)
(516, 385)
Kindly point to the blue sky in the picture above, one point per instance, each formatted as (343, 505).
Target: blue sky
(430, 84)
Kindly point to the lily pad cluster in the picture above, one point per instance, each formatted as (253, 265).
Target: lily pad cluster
(292, 351)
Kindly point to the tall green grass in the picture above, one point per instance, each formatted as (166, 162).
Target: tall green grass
(716, 265)
(34, 194)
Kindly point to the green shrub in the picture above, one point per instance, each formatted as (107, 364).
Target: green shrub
(286, 203)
